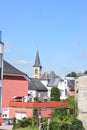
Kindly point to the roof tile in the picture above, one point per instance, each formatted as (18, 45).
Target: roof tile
(50, 104)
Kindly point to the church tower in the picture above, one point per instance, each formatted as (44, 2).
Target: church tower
(37, 68)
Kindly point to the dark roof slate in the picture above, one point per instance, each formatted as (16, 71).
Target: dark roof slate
(53, 79)
(9, 69)
(35, 84)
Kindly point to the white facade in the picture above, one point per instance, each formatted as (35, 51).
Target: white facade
(81, 93)
(62, 85)
(32, 94)
(63, 90)
(81, 98)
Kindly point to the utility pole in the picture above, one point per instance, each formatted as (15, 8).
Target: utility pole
(1, 70)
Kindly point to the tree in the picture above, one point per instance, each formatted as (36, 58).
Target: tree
(54, 125)
(72, 105)
(85, 72)
(77, 125)
(60, 113)
(72, 74)
(55, 94)
(65, 126)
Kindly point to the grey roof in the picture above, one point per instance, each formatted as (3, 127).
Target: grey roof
(9, 69)
(37, 60)
(53, 79)
(44, 76)
(56, 81)
(35, 84)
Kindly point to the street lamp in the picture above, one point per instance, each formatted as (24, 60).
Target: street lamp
(1, 70)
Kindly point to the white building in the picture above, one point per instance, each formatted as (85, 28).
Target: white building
(66, 85)
(81, 98)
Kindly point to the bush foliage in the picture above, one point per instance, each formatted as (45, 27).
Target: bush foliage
(55, 94)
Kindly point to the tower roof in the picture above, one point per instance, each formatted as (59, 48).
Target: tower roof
(37, 60)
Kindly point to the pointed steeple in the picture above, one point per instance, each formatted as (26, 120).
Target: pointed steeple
(37, 68)
(37, 60)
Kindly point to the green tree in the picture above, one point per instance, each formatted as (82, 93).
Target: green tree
(54, 125)
(72, 105)
(77, 125)
(64, 126)
(85, 72)
(55, 94)
(35, 120)
(60, 113)
(72, 74)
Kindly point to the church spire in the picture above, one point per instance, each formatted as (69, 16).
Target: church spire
(37, 60)
(37, 68)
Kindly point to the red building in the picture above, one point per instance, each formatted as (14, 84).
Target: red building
(15, 83)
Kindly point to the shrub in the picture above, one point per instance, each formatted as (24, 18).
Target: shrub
(35, 98)
(60, 113)
(64, 126)
(77, 125)
(14, 122)
(54, 125)
(22, 123)
(55, 94)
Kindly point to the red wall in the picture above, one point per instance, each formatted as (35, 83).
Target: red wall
(12, 112)
(29, 112)
(13, 86)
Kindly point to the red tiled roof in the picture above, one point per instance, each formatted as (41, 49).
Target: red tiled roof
(50, 104)
(71, 92)
(2, 120)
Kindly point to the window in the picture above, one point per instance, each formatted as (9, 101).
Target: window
(36, 71)
(20, 115)
(66, 92)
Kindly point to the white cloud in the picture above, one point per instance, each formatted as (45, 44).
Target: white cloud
(23, 62)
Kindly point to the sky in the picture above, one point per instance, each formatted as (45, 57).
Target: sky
(56, 28)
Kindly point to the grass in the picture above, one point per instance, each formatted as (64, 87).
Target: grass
(28, 128)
